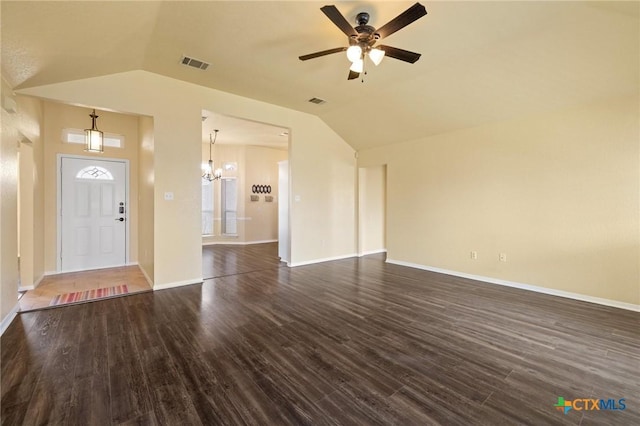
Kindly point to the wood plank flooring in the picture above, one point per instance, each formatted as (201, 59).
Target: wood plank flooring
(349, 342)
(225, 259)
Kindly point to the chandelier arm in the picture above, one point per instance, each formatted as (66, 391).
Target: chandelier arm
(210, 174)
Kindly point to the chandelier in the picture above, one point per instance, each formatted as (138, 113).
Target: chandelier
(209, 173)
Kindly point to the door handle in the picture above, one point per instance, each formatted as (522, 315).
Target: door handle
(121, 219)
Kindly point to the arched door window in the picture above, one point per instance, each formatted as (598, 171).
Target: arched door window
(94, 172)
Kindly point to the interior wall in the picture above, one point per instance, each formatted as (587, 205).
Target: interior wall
(146, 181)
(177, 242)
(557, 193)
(372, 209)
(262, 169)
(25, 122)
(323, 195)
(9, 274)
(323, 173)
(26, 194)
(284, 240)
(60, 116)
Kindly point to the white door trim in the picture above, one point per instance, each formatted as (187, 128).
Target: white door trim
(59, 202)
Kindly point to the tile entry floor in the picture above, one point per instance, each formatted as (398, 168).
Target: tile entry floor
(53, 285)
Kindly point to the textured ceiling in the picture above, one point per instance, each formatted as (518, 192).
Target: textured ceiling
(481, 61)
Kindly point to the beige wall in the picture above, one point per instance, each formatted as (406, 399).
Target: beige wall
(372, 209)
(258, 221)
(145, 196)
(558, 193)
(177, 243)
(26, 214)
(9, 274)
(58, 117)
(25, 123)
(262, 169)
(323, 173)
(322, 199)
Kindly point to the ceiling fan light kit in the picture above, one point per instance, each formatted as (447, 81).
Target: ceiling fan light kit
(354, 53)
(363, 37)
(376, 56)
(357, 66)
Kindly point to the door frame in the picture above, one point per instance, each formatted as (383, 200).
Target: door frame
(127, 231)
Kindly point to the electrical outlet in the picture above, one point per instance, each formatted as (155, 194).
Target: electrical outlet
(474, 255)
(503, 257)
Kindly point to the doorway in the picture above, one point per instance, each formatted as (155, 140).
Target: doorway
(240, 206)
(372, 200)
(93, 231)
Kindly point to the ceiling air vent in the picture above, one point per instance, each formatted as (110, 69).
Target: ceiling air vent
(317, 101)
(195, 63)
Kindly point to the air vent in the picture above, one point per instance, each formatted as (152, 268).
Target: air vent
(195, 63)
(317, 101)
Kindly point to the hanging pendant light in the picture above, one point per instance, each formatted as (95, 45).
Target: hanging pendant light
(209, 173)
(93, 137)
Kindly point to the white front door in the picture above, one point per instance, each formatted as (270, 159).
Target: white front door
(93, 213)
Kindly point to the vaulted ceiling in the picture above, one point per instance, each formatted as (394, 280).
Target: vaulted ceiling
(481, 61)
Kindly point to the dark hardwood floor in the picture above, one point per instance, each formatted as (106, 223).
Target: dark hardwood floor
(222, 260)
(350, 342)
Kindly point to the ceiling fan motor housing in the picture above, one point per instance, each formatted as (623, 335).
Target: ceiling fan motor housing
(362, 18)
(366, 36)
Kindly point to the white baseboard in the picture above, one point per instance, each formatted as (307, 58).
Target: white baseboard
(38, 281)
(177, 284)
(32, 286)
(6, 321)
(326, 259)
(146, 276)
(537, 289)
(366, 253)
(237, 243)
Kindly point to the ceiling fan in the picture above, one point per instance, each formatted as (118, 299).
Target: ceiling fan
(362, 38)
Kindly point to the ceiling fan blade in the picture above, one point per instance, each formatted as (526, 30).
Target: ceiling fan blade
(414, 13)
(353, 75)
(401, 54)
(322, 53)
(340, 21)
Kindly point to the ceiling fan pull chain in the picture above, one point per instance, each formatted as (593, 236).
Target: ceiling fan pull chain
(364, 68)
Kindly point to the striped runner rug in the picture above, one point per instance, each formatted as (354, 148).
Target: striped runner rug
(83, 296)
